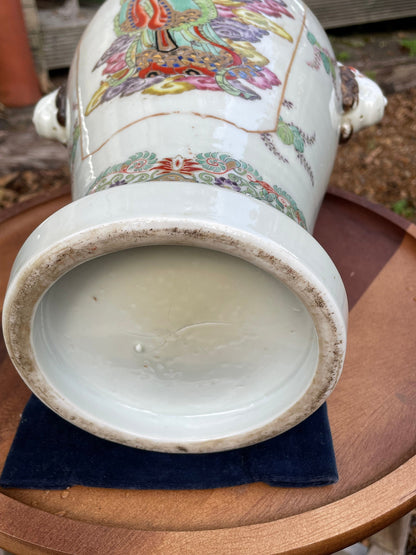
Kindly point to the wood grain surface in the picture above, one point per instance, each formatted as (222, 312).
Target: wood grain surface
(372, 413)
(353, 12)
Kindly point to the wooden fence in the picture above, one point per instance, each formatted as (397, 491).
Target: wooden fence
(343, 13)
(54, 38)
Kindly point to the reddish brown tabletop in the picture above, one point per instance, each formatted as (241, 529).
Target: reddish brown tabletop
(372, 414)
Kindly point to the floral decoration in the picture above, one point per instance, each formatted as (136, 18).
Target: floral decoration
(321, 57)
(172, 46)
(211, 168)
(291, 135)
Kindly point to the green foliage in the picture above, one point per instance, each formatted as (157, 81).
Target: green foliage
(284, 133)
(290, 135)
(371, 74)
(403, 208)
(326, 61)
(409, 45)
(297, 139)
(343, 56)
(371, 144)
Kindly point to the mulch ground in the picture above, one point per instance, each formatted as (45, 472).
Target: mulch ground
(380, 162)
(22, 185)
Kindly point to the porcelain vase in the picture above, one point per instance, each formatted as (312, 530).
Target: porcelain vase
(180, 302)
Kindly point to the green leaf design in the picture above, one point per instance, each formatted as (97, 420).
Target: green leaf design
(298, 142)
(285, 134)
(136, 156)
(224, 157)
(204, 177)
(131, 55)
(150, 159)
(117, 28)
(215, 163)
(220, 167)
(311, 38)
(76, 132)
(113, 169)
(130, 177)
(116, 177)
(238, 180)
(224, 84)
(325, 61)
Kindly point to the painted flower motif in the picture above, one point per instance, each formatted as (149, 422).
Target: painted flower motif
(142, 161)
(321, 56)
(237, 85)
(270, 7)
(116, 62)
(171, 85)
(283, 201)
(267, 187)
(139, 165)
(224, 11)
(179, 164)
(213, 162)
(300, 219)
(251, 178)
(236, 175)
(202, 82)
(246, 51)
(118, 182)
(125, 88)
(227, 183)
(251, 17)
(264, 79)
(119, 46)
(288, 104)
(236, 30)
(182, 53)
(131, 86)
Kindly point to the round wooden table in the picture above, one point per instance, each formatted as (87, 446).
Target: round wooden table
(372, 414)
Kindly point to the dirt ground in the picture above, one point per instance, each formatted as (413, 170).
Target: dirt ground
(378, 163)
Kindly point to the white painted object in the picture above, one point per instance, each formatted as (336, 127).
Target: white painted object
(45, 119)
(180, 303)
(368, 110)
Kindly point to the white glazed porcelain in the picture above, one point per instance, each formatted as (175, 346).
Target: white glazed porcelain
(368, 110)
(180, 303)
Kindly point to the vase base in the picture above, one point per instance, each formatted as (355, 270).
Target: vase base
(204, 323)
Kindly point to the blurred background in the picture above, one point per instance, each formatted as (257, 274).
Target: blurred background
(378, 37)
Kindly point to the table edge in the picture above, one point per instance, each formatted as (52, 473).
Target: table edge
(321, 530)
(306, 533)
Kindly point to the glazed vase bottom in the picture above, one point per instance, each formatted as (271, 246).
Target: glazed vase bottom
(205, 322)
(175, 342)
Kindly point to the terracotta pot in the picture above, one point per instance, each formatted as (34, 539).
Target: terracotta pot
(19, 84)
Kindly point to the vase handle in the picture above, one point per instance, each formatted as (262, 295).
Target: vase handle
(363, 102)
(49, 116)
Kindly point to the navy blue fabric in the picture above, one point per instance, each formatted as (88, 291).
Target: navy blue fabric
(50, 453)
